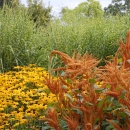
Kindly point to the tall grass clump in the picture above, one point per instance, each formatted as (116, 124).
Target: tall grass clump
(99, 36)
(20, 42)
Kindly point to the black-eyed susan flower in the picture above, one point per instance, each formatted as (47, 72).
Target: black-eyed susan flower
(23, 96)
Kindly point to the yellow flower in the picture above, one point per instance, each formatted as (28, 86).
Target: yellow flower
(1, 109)
(20, 109)
(99, 84)
(2, 127)
(23, 94)
(23, 121)
(16, 124)
(41, 117)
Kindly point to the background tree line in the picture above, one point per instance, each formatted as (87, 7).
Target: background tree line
(41, 15)
(118, 7)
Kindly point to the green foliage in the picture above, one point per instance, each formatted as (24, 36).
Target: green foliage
(20, 43)
(1, 3)
(38, 13)
(98, 36)
(10, 3)
(90, 8)
(118, 7)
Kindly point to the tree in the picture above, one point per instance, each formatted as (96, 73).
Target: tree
(127, 5)
(90, 8)
(39, 13)
(65, 10)
(118, 7)
(1, 3)
(15, 3)
(10, 3)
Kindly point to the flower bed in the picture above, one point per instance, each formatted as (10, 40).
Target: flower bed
(81, 96)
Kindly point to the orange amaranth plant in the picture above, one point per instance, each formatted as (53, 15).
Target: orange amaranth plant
(124, 51)
(83, 105)
(80, 98)
(52, 118)
(116, 79)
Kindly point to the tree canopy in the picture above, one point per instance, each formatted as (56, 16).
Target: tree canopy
(88, 9)
(118, 7)
(10, 3)
(39, 13)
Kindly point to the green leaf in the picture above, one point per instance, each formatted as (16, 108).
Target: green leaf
(100, 103)
(122, 96)
(92, 80)
(96, 120)
(64, 87)
(110, 127)
(99, 90)
(88, 104)
(119, 60)
(76, 90)
(116, 103)
(108, 86)
(95, 86)
(62, 74)
(115, 121)
(110, 99)
(123, 114)
(77, 111)
(79, 95)
(107, 109)
(69, 81)
(47, 91)
(46, 127)
(63, 123)
(104, 123)
(68, 96)
(51, 104)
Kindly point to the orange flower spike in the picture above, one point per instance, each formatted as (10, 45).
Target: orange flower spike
(66, 58)
(71, 123)
(59, 69)
(127, 103)
(80, 85)
(52, 123)
(52, 118)
(65, 83)
(53, 85)
(115, 125)
(124, 50)
(88, 126)
(128, 125)
(82, 108)
(111, 93)
(76, 64)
